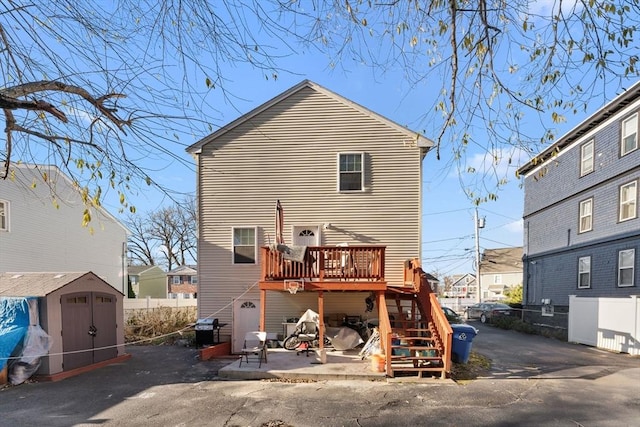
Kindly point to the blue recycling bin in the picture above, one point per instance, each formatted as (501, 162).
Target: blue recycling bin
(463, 336)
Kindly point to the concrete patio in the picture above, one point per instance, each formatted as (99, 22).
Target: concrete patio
(286, 364)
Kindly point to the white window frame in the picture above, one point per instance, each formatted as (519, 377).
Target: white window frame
(193, 280)
(584, 269)
(4, 215)
(497, 279)
(629, 128)
(586, 214)
(353, 172)
(234, 245)
(175, 280)
(630, 202)
(587, 159)
(630, 266)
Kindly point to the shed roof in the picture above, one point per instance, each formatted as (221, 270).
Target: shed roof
(39, 284)
(418, 138)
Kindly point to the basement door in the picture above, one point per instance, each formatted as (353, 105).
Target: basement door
(88, 329)
(246, 318)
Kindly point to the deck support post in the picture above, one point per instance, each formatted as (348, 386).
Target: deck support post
(263, 309)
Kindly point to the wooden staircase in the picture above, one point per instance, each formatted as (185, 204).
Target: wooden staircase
(419, 337)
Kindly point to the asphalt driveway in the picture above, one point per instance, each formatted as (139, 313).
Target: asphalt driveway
(534, 381)
(516, 355)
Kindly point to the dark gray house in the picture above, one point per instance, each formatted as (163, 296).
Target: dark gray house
(581, 224)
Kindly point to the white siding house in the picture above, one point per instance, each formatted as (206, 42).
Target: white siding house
(344, 176)
(41, 228)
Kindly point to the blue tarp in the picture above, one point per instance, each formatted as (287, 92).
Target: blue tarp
(14, 323)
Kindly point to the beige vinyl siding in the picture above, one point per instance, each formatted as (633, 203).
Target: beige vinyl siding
(288, 152)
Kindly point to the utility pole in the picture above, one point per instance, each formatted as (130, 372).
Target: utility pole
(479, 223)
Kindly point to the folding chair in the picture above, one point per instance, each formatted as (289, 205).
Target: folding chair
(255, 344)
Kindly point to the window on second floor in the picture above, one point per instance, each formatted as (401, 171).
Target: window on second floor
(626, 267)
(175, 280)
(4, 215)
(244, 245)
(628, 196)
(194, 280)
(584, 272)
(586, 215)
(629, 141)
(586, 158)
(350, 171)
(497, 279)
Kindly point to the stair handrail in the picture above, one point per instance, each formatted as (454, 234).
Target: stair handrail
(384, 328)
(432, 310)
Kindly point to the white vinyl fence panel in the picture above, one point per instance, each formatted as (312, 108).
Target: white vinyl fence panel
(151, 303)
(608, 323)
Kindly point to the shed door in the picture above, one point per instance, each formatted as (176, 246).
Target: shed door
(104, 320)
(76, 320)
(88, 322)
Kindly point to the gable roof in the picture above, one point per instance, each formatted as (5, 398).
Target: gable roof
(420, 140)
(431, 277)
(40, 284)
(593, 121)
(501, 260)
(460, 279)
(135, 270)
(183, 269)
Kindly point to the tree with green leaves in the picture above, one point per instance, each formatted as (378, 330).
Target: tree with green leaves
(99, 88)
(513, 294)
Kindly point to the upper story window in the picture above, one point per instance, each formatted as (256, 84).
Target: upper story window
(628, 196)
(586, 158)
(586, 215)
(629, 135)
(350, 171)
(497, 279)
(193, 280)
(584, 272)
(626, 264)
(244, 245)
(175, 280)
(4, 215)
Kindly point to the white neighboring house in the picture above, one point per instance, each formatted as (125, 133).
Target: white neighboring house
(37, 236)
(463, 286)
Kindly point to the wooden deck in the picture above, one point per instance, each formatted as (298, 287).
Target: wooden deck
(324, 268)
(419, 340)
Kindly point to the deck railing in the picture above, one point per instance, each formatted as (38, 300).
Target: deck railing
(323, 263)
